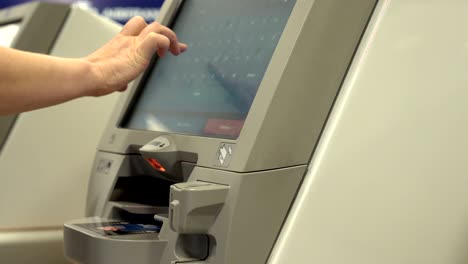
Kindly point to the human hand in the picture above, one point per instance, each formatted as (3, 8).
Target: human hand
(128, 54)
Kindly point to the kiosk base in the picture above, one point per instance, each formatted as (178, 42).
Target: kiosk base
(98, 240)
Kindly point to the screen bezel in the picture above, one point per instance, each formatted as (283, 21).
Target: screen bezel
(130, 110)
(118, 139)
(271, 137)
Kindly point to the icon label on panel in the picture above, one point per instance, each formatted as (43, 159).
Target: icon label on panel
(104, 166)
(224, 154)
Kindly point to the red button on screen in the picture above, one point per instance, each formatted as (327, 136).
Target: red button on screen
(224, 127)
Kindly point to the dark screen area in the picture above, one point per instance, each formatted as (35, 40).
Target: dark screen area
(208, 90)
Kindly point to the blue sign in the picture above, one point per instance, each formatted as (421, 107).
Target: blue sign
(120, 11)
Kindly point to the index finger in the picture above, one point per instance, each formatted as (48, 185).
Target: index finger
(160, 29)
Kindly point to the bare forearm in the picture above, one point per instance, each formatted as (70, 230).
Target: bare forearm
(30, 81)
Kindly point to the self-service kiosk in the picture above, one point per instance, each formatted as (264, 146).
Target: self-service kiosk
(203, 167)
(42, 183)
(203, 156)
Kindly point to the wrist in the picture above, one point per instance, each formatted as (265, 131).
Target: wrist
(95, 85)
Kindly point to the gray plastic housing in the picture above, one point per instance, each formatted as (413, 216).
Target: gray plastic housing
(265, 165)
(255, 207)
(194, 206)
(302, 80)
(144, 249)
(40, 24)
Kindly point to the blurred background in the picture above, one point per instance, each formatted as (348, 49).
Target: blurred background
(36, 200)
(120, 11)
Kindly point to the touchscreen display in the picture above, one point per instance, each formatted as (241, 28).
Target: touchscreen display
(8, 33)
(209, 89)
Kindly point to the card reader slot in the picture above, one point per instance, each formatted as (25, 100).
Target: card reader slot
(143, 190)
(136, 208)
(141, 218)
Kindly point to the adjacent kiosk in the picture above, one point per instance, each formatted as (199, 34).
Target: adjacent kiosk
(29, 27)
(43, 182)
(203, 157)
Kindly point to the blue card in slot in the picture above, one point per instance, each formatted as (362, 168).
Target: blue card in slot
(121, 228)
